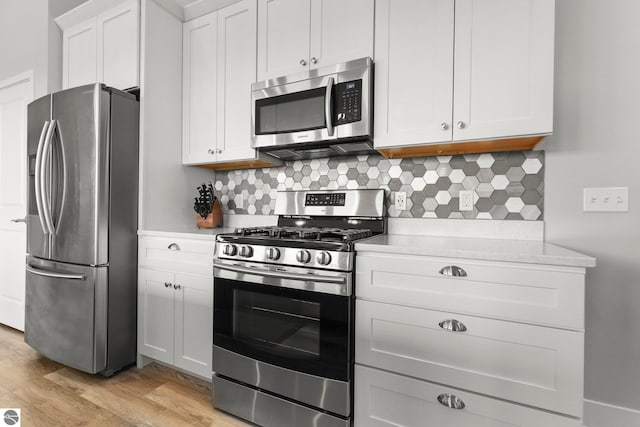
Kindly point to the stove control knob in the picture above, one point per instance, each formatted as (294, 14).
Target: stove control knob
(273, 253)
(303, 256)
(246, 251)
(230, 250)
(323, 258)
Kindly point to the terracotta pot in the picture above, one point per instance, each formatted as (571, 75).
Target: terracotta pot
(214, 219)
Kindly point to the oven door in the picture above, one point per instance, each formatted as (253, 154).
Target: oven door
(299, 330)
(299, 112)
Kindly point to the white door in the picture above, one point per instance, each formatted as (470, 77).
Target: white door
(80, 55)
(194, 323)
(236, 72)
(340, 31)
(199, 41)
(414, 72)
(283, 37)
(155, 314)
(504, 68)
(15, 94)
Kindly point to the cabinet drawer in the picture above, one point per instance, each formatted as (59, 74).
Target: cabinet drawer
(545, 295)
(535, 365)
(176, 254)
(386, 399)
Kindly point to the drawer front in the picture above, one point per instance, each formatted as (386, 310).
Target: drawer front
(386, 399)
(545, 295)
(178, 255)
(534, 365)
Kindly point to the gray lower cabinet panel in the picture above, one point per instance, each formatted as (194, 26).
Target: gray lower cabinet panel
(386, 399)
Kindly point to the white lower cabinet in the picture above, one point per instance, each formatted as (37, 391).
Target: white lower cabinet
(175, 308)
(458, 342)
(387, 399)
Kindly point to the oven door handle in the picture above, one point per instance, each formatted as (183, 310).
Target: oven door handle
(281, 274)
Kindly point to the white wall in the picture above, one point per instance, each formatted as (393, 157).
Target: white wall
(596, 142)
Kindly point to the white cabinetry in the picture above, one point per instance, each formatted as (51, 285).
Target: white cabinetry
(504, 342)
(298, 35)
(175, 302)
(463, 71)
(101, 48)
(219, 65)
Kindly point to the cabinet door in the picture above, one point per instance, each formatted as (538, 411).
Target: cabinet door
(194, 323)
(155, 314)
(340, 31)
(79, 55)
(414, 72)
(236, 72)
(504, 68)
(199, 90)
(118, 46)
(283, 37)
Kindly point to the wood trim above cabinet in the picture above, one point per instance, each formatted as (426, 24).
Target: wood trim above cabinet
(467, 147)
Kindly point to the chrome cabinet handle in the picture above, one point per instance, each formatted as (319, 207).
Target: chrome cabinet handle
(452, 270)
(173, 247)
(314, 60)
(218, 150)
(176, 286)
(20, 220)
(167, 284)
(461, 125)
(451, 401)
(444, 126)
(210, 151)
(453, 325)
(303, 62)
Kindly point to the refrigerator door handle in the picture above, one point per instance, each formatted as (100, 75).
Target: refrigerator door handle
(47, 273)
(46, 205)
(38, 177)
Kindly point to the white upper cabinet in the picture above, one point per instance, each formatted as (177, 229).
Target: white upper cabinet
(219, 65)
(465, 70)
(298, 35)
(199, 80)
(103, 47)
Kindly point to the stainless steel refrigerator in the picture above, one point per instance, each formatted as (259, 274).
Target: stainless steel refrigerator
(81, 228)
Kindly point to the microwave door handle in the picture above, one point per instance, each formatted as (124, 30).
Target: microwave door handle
(37, 177)
(327, 107)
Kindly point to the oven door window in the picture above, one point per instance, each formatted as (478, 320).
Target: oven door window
(295, 112)
(299, 330)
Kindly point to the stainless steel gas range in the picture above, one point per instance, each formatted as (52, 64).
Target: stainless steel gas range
(284, 310)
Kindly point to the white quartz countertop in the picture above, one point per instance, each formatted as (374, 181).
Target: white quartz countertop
(533, 252)
(190, 232)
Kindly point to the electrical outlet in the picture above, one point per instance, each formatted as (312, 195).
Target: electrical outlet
(239, 201)
(401, 201)
(466, 200)
(613, 199)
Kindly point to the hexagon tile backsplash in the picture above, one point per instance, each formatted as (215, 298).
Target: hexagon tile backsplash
(507, 185)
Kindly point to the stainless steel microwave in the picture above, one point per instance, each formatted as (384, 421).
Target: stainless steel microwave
(317, 113)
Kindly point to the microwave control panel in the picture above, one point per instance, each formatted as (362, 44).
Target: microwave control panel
(349, 102)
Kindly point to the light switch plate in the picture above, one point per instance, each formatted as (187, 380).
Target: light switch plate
(606, 199)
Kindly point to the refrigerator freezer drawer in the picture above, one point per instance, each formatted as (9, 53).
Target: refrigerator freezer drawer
(66, 313)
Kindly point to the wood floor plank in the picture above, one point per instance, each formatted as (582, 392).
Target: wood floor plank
(51, 395)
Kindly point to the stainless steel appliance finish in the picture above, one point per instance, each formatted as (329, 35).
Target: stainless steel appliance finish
(332, 395)
(81, 227)
(268, 410)
(283, 309)
(317, 113)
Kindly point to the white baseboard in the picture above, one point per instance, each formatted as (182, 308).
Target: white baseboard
(599, 414)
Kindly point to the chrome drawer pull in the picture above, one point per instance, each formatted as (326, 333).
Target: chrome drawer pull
(167, 284)
(173, 247)
(452, 270)
(451, 401)
(453, 325)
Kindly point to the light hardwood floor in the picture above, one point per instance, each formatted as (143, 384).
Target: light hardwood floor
(49, 394)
